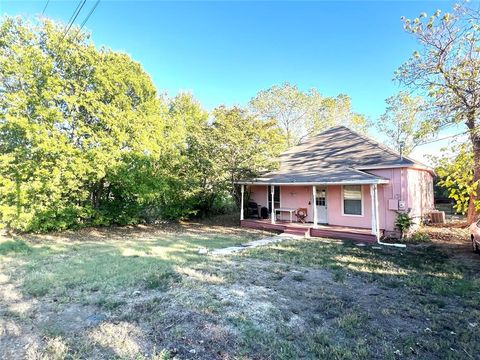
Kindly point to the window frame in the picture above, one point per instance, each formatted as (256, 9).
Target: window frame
(361, 201)
(324, 197)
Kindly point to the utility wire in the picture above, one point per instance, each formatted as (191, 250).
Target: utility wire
(444, 138)
(87, 17)
(45, 8)
(74, 17)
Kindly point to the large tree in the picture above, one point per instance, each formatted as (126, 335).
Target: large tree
(404, 122)
(83, 135)
(447, 68)
(218, 150)
(300, 114)
(242, 146)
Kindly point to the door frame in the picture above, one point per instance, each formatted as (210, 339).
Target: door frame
(318, 188)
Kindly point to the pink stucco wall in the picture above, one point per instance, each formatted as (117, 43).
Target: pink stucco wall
(290, 197)
(395, 189)
(412, 186)
(258, 194)
(420, 193)
(334, 208)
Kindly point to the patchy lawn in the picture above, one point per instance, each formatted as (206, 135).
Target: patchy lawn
(146, 292)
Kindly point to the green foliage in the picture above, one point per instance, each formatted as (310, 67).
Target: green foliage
(405, 122)
(419, 237)
(233, 145)
(86, 140)
(83, 135)
(403, 223)
(454, 168)
(446, 68)
(300, 114)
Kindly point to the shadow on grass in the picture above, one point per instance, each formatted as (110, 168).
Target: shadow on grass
(426, 268)
(63, 268)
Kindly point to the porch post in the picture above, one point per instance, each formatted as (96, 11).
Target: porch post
(272, 187)
(314, 192)
(242, 187)
(375, 222)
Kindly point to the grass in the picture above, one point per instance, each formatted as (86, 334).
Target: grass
(157, 297)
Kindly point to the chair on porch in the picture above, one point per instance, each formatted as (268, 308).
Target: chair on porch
(252, 210)
(301, 215)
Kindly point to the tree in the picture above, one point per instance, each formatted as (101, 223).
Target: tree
(242, 146)
(198, 169)
(83, 135)
(216, 152)
(300, 114)
(455, 173)
(334, 111)
(404, 122)
(447, 69)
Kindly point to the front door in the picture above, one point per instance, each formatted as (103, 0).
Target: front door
(321, 205)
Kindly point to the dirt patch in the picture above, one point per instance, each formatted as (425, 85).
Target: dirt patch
(355, 303)
(450, 233)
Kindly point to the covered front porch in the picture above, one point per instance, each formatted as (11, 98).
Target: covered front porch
(346, 209)
(308, 230)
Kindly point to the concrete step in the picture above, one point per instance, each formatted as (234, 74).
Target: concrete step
(296, 231)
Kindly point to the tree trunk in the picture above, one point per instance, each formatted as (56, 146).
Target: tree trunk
(474, 196)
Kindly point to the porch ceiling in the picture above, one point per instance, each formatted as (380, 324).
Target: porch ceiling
(322, 176)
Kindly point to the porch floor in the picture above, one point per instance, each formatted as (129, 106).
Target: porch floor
(307, 229)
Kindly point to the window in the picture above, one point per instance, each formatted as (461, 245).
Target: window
(320, 197)
(352, 200)
(276, 198)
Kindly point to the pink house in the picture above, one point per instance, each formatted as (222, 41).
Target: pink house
(350, 185)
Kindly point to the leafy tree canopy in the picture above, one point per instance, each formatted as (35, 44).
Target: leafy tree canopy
(405, 122)
(300, 114)
(447, 69)
(454, 169)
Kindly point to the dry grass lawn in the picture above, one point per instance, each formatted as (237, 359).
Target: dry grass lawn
(146, 293)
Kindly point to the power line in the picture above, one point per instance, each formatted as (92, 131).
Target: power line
(45, 8)
(444, 138)
(87, 17)
(74, 16)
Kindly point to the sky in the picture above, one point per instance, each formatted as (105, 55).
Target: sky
(224, 52)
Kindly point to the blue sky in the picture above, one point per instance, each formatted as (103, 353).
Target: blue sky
(225, 52)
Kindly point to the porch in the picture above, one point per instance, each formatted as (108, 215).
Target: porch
(309, 230)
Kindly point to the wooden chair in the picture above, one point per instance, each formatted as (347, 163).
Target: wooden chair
(301, 214)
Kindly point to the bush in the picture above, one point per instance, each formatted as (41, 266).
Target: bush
(403, 223)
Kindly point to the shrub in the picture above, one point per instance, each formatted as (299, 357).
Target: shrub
(403, 223)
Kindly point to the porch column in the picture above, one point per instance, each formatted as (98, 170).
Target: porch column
(272, 187)
(314, 192)
(375, 221)
(242, 190)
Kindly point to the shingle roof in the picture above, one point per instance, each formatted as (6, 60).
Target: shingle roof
(340, 146)
(323, 176)
(336, 155)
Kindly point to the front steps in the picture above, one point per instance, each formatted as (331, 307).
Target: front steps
(296, 231)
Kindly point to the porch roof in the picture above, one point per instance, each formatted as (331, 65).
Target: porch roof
(321, 176)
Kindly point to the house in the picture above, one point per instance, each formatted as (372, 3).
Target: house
(350, 185)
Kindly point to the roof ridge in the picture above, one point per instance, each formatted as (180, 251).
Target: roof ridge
(381, 145)
(377, 143)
